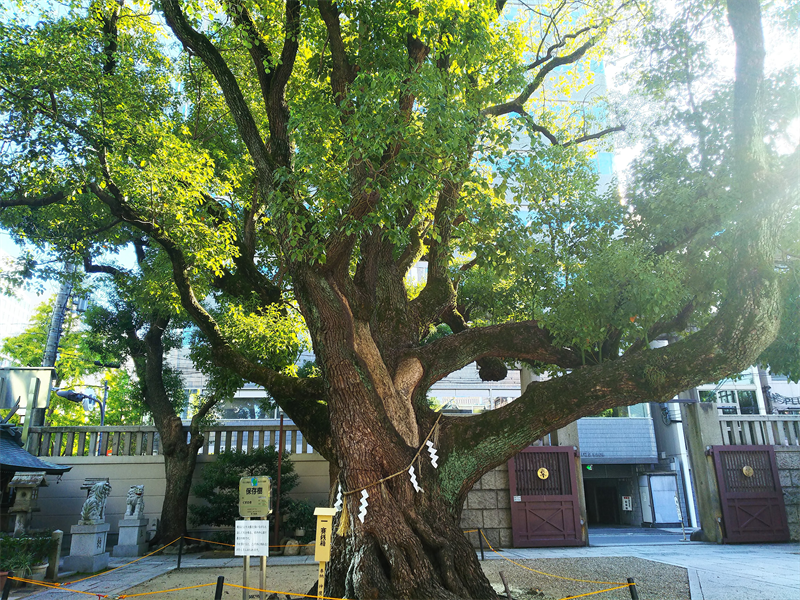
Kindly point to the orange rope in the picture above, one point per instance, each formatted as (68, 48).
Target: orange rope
(56, 587)
(233, 545)
(241, 587)
(191, 587)
(550, 574)
(208, 541)
(598, 592)
(125, 565)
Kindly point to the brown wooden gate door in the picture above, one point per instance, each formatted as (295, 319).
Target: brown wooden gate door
(545, 508)
(750, 493)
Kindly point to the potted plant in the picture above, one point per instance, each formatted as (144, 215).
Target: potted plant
(26, 556)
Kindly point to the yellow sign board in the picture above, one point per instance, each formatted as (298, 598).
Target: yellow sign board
(322, 550)
(254, 496)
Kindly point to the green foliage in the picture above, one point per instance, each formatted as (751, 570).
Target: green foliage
(19, 554)
(300, 515)
(74, 367)
(783, 355)
(112, 326)
(219, 485)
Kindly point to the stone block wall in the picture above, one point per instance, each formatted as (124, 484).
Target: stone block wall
(488, 507)
(788, 459)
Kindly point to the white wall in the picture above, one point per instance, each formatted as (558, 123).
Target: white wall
(61, 501)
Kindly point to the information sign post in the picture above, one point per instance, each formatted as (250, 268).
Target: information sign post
(322, 549)
(252, 538)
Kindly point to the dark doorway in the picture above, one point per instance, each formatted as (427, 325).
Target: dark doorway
(601, 502)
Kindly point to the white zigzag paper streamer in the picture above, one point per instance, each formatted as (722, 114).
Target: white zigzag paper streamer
(414, 478)
(338, 504)
(432, 452)
(362, 509)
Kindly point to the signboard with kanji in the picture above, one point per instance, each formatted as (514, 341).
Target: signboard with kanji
(252, 538)
(254, 496)
(322, 550)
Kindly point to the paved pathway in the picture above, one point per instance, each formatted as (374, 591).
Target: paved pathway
(627, 536)
(740, 572)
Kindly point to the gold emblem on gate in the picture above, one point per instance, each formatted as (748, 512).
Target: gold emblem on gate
(543, 473)
(747, 470)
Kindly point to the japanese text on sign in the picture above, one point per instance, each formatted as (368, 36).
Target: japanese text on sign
(252, 538)
(254, 496)
(322, 551)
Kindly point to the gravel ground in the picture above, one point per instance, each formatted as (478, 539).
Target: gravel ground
(654, 581)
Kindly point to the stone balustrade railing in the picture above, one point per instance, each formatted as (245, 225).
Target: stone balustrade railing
(760, 430)
(144, 441)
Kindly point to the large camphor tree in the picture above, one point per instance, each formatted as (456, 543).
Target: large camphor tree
(299, 158)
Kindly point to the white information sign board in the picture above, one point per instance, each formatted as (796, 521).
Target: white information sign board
(252, 538)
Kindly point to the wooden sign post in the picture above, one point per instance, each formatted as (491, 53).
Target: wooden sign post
(254, 496)
(322, 549)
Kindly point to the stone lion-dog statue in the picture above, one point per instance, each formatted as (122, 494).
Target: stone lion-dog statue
(135, 502)
(94, 508)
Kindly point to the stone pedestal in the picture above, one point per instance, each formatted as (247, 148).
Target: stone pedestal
(132, 537)
(87, 550)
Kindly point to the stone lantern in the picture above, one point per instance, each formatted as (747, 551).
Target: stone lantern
(26, 494)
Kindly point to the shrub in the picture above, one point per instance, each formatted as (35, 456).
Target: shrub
(19, 554)
(300, 515)
(219, 485)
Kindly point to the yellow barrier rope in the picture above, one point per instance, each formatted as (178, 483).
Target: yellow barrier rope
(550, 574)
(190, 587)
(233, 545)
(598, 592)
(56, 586)
(241, 587)
(186, 537)
(119, 567)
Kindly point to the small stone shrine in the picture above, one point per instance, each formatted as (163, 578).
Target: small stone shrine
(87, 552)
(133, 526)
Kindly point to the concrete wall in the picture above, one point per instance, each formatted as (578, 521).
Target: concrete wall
(61, 501)
(788, 459)
(488, 507)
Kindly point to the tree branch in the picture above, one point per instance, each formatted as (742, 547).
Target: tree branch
(594, 136)
(279, 385)
(746, 322)
(343, 73)
(208, 53)
(524, 340)
(273, 80)
(55, 198)
(518, 103)
(90, 267)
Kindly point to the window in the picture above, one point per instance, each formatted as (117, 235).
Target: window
(732, 402)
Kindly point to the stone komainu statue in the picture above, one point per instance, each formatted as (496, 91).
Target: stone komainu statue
(135, 502)
(94, 508)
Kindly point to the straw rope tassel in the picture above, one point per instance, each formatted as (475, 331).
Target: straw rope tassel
(344, 519)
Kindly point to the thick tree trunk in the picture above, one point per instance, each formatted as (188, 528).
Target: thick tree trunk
(180, 459)
(408, 547)
(410, 544)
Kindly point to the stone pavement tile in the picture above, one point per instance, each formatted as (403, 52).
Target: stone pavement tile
(717, 586)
